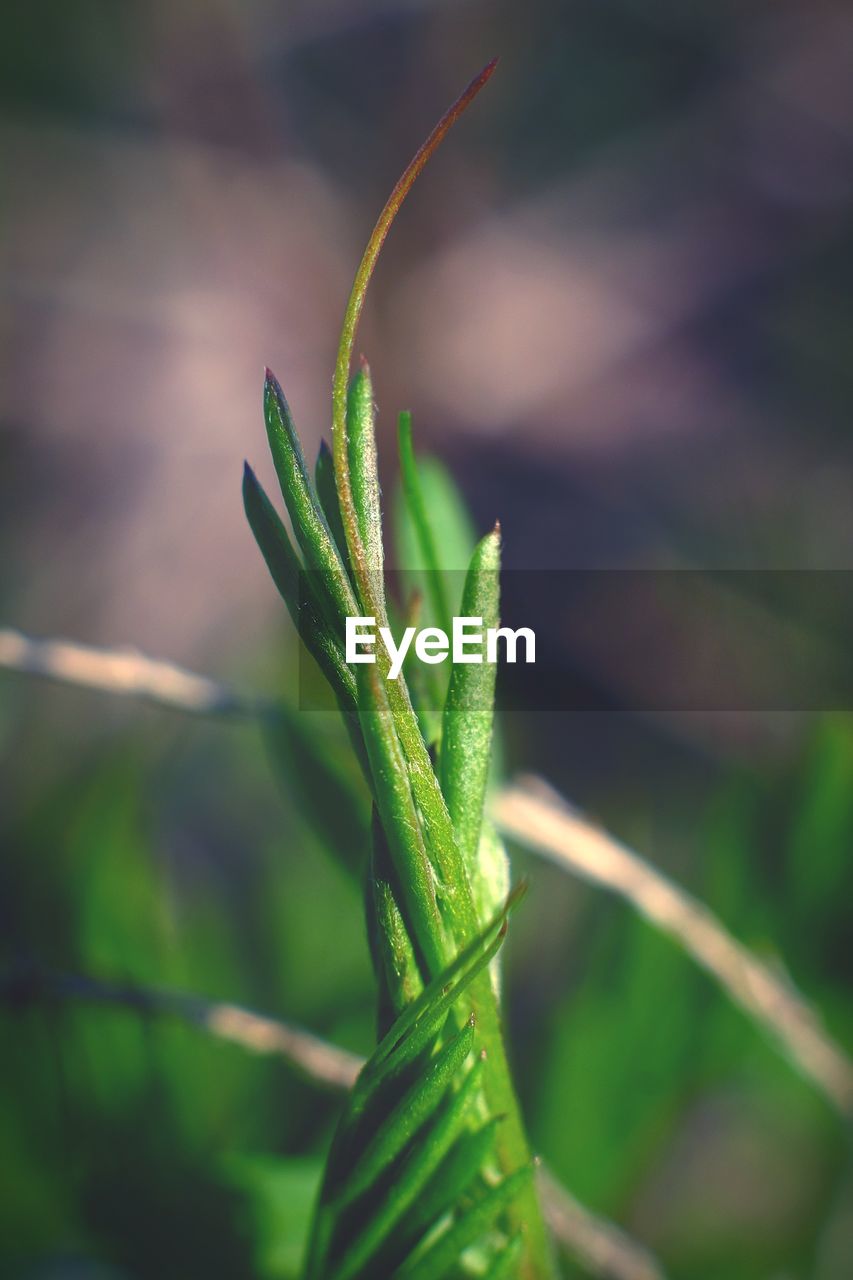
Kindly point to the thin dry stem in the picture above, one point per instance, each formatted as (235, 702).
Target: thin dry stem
(323, 1063)
(599, 1245)
(350, 327)
(121, 671)
(529, 812)
(533, 814)
(602, 1247)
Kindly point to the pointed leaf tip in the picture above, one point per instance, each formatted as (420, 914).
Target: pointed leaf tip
(353, 313)
(272, 390)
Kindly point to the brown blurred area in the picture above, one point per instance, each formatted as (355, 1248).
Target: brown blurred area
(618, 303)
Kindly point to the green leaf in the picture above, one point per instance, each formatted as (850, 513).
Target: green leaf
(364, 472)
(448, 512)
(426, 685)
(409, 1183)
(466, 1230)
(430, 809)
(297, 590)
(490, 876)
(444, 509)
(453, 1178)
(408, 1109)
(352, 314)
(324, 483)
(396, 804)
(409, 1115)
(415, 816)
(466, 740)
(421, 1020)
(397, 968)
(309, 522)
(506, 1263)
(435, 584)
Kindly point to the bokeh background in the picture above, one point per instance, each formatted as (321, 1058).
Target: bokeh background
(619, 305)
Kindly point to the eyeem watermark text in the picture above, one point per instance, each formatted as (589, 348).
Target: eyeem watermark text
(468, 643)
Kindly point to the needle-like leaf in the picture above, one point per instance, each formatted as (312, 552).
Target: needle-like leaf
(505, 1266)
(420, 1021)
(408, 1110)
(414, 498)
(453, 1180)
(309, 522)
(409, 1115)
(440, 1256)
(408, 1185)
(324, 483)
(296, 589)
(353, 314)
(396, 804)
(466, 739)
(397, 967)
(364, 470)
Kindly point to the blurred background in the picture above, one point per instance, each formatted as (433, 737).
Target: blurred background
(619, 306)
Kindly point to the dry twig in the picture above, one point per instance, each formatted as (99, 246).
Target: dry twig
(533, 814)
(602, 1247)
(320, 1062)
(121, 671)
(599, 1245)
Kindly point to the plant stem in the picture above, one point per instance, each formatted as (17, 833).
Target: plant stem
(513, 1151)
(441, 907)
(353, 314)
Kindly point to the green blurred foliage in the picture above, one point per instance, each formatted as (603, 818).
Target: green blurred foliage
(660, 1103)
(150, 1147)
(228, 861)
(137, 1140)
(280, 1197)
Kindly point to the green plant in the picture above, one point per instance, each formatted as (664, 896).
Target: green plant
(423, 1122)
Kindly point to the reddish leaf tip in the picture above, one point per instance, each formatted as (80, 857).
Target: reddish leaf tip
(272, 387)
